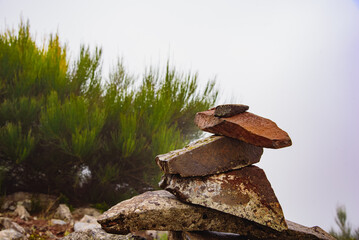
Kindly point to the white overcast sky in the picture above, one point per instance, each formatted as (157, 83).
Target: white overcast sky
(295, 62)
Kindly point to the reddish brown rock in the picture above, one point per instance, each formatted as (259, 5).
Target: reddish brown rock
(247, 127)
(209, 156)
(229, 110)
(245, 193)
(160, 210)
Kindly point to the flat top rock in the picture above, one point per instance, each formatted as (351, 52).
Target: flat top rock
(229, 110)
(246, 126)
(245, 193)
(160, 210)
(210, 155)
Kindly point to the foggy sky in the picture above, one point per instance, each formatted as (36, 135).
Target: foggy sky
(294, 62)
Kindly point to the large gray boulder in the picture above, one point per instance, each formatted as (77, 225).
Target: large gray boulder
(160, 210)
(207, 156)
(245, 193)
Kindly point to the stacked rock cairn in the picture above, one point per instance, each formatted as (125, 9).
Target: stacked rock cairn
(212, 190)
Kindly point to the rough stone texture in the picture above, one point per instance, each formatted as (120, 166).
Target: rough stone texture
(229, 110)
(209, 156)
(160, 210)
(11, 234)
(21, 212)
(245, 193)
(247, 127)
(63, 213)
(97, 234)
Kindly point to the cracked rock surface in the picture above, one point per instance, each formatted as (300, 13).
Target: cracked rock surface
(245, 193)
(160, 210)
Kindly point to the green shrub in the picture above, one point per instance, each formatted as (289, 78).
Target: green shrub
(63, 129)
(14, 143)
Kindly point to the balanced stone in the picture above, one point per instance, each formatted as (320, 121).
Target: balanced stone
(246, 126)
(245, 193)
(209, 156)
(229, 110)
(161, 210)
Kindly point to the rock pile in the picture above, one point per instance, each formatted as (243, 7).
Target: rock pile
(212, 190)
(49, 220)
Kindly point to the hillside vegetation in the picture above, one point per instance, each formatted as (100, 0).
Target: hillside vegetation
(67, 130)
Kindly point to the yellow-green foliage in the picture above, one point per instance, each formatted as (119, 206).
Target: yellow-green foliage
(72, 125)
(29, 70)
(64, 129)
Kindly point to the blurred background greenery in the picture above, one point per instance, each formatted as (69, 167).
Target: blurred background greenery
(66, 130)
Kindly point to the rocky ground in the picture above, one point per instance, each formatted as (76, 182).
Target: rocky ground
(38, 227)
(54, 221)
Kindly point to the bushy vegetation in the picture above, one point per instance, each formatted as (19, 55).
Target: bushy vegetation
(65, 130)
(345, 230)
